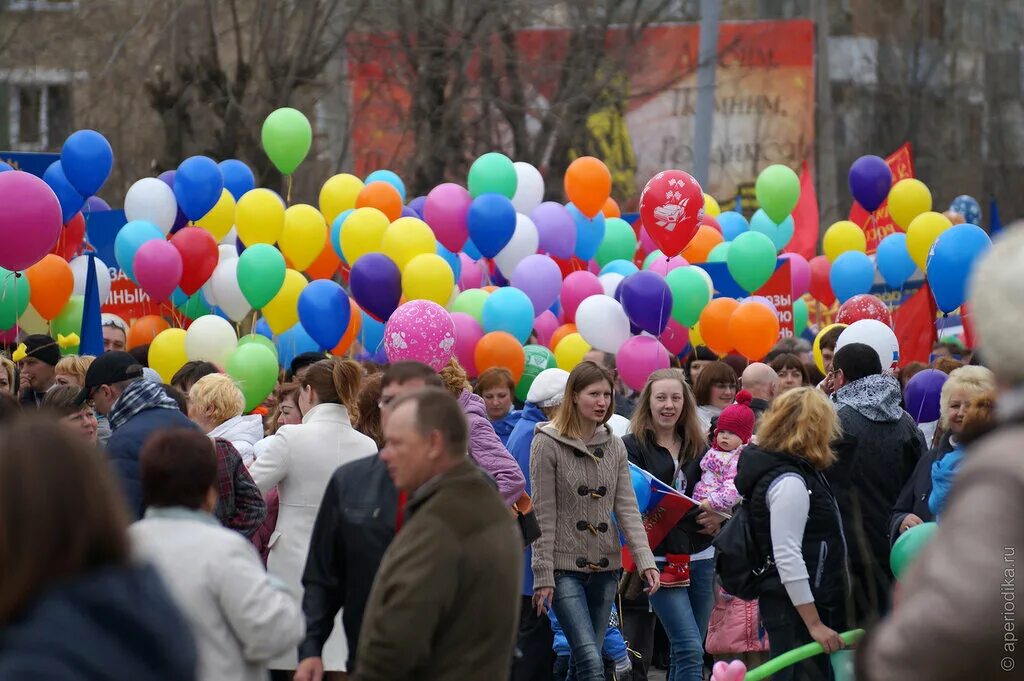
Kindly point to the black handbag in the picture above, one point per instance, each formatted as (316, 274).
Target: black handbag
(529, 526)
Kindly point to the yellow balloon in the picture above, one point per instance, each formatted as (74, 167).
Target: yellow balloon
(570, 351)
(282, 312)
(428, 277)
(711, 206)
(695, 337)
(405, 239)
(841, 237)
(221, 217)
(304, 235)
(167, 353)
(364, 228)
(339, 194)
(819, 361)
(259, 217)
(922, 233)
(907, 199)
(31, 322)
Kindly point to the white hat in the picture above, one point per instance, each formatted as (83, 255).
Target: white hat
(548, 388)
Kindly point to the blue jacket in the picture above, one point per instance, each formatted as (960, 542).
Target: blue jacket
(126, 442)
(614, 647)
(505, 425)
(518, 444)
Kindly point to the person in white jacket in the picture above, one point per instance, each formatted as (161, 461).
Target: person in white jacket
(300, 460)
(216, 404)
(240, 616)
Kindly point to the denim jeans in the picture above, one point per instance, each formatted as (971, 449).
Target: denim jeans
(684, 612)
(583, 604)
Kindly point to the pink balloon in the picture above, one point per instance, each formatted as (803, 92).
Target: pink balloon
(472, 275)
(445, 210)
(30, 219)
(638, 358)
(799, 272)
(647, 244)
(467, 334)
(545, 325)
(157, 267)
(763, 301)
(665, 265)
(10, 336)
(593, 267)
(422, 331)
(576, 288)
(675, 337)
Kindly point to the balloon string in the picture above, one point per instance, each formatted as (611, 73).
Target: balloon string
(288, 196)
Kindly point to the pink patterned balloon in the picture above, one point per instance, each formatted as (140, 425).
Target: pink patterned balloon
(675, 337)
(638, 358)
(422, 331)
(467, 334)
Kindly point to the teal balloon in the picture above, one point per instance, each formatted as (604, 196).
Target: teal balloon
(538, 358)
(261, 270)
(852, 273)
(909, 545)
(720, 253)
(751, 260)
(654, 255)
(780, 234)
(619, 242)
(624, 267)
(690, 294)
(128, 240)
(195, 306)
(254, 368)
(800, 316)
(336, 227)
(14, 294)
(493, 173)
(258, 339)
(509, 309)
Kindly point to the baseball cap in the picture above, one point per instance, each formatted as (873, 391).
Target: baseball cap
(109, 368)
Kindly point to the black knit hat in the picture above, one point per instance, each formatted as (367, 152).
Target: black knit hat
(42, 347)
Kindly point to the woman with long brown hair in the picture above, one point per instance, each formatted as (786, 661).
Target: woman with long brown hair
(714, 389)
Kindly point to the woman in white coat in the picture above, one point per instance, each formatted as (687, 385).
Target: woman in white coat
(300, 460)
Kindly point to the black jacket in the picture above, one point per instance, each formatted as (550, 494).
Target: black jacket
(353, 529)
(914, 497)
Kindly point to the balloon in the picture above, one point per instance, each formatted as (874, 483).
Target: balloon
(841, 237)
(870, 180)
(493, 173)
(821, 285)
(675, 337)
(199, 255)
(544, 326)
(287, 137)
(588, 184)
(258, 339)
(259, 217)
(468, 333)
(852, 273)
(720, 253)
(294, 342)
(472, 274)
(254, 369)
(751, 260)
(753, 330)
(663, 266)
(338, 194)
(799, 273)
(863, 306)
(702, 244)
(471, 302)
(405, 238)
(227, 292)
(953, 258)
(492, 222)
(603, 323)
(15, 293)
(777, 190)
(390, 177)
(509, 310)
(87, 160)
(893, 260)
(922, 233)
(611, 209)
(711, 207)
(647, 301)
(167, 353)
(711, 222)
(324, 312)
(529, 188)
(570, 351)
(219, 220)
(421, 331)
(538, 358)
(690, 294)
(282, 312)
(540, 279)
(589, 232)
(922, 393)
(210, 338)
(304, 235)
(968, 207)
(908, 198)
(335, 236)
(376, 284)
(355, 323)
(909, 545)
(238, 177)
(556, 229)
(780, 234)
(157, 266)
(198, 186)
(761, 300)
(524, 242)
(560, 333)
(428, 277)
(800, 316)
(622, 267)
(819, 360)
(382, 196)
(261, 273)
(128, 241)
(363, 233)
(638, 358)
(80, 269)
(50, 283)
(151, 200)
(326, 264)
(733, 224)
(714, 324)
(576, 288)
(671, 209)
(70, 200)
(446, 210)
(876, 334)
(500, 349)
(145, 329)
(619, 242)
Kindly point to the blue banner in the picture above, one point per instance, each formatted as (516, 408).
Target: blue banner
(100, 231)
(29, 162)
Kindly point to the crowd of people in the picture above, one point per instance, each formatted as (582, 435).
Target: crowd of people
(393, 522)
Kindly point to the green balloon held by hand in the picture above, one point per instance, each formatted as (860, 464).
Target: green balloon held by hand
(260, 274)
(909, 545)
(254, 368)
(287, 137)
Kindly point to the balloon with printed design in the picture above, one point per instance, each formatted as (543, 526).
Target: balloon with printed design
(671, 210)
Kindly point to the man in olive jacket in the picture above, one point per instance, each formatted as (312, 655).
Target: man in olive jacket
(445, 602)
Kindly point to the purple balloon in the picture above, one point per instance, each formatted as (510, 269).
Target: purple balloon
(556, 228)
(647, 301)
(408, 212)
(167, 177)
(417, 205)
(870, 181)
(95, 204)
(922, 395)
(376, 284)
(539, 277)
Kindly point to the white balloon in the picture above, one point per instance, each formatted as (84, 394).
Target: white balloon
(707, 279)
(226, 291)
(875, 334)
(151, 200)
(611, 282)
(210, 338)
(231, 238)
(524, 242)
(603, 323)
(529, 188)
(80, 269)
(226, 252)
(31, 322)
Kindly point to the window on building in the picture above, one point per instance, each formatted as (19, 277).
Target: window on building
(39, 115)
(41, 5)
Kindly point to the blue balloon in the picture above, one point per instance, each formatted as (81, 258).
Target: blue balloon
(509, 309)
(732, 223)
(70, 200)
(623, 267)
(128, 240)
(197, 186)
(492, 222)
(293, 343)
(4, 167)
(336, 233)
(387, 176)
(371, 333)
(641, 487)
(969, 207)
(87, 160)
(452, 259)
(178, 298)
(589, 232)
(852, 273)
(951, 261)
(780, 234)
(238, 177)
(471, 250)
(893, 260)
(263, 328)
(324, 312)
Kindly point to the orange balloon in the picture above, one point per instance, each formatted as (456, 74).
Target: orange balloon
(611, 209)
(355, 323)
(51, 284)
(714, 324)
(500, 349)
(382, 196)
(754, 330)
(145, 329)
(704, 240)
(588, 184)
(326, 264)
(560, 333)
(490, 289)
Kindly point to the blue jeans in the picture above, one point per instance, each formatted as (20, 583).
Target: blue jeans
(583, 603)
(684, 612)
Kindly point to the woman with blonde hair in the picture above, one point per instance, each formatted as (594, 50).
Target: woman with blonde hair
(70, 370)
(795, 520)
(8, 376)
(216, 405)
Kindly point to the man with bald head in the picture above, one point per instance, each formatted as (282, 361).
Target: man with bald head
(761, 381)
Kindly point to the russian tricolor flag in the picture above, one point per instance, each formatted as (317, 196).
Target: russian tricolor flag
(660, 506)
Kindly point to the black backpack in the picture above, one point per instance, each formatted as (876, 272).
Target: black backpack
(739, 563)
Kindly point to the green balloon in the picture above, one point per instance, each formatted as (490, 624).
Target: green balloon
(14, 295)
(619, 242)
(538, 358)
(254, 368)
(493, 173)
(690, 294)
(471, 302)
(777, 190)
(799, 316)
(195, 306)
(69, 321)
(287, 137)
(720, 252)
(258, 339)
(261, 274)
(751, 260)
(910, 543)
(656, 254)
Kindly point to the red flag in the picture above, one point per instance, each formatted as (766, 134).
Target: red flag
(805, 218)
(914, 324)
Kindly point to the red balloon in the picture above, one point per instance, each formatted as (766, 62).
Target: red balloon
(199, 255)
(712, 223)
(69, 243)
(671, 209)
(821, 287)
(863, 306)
